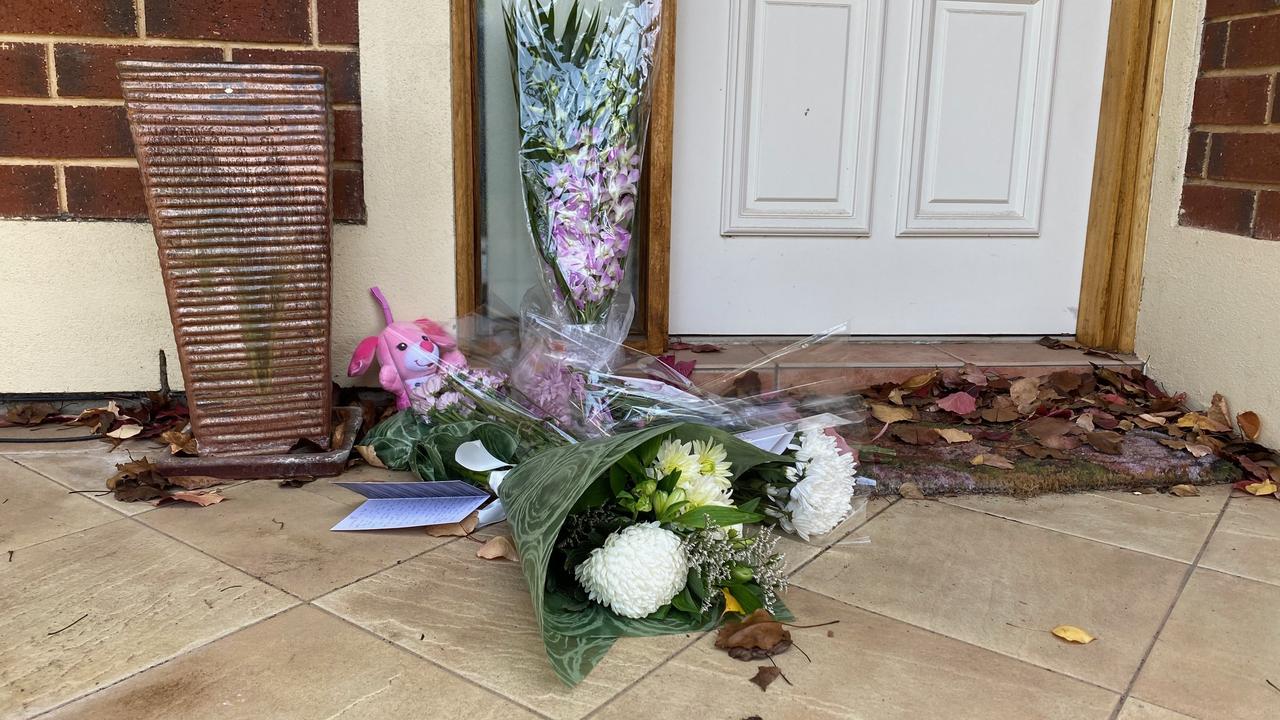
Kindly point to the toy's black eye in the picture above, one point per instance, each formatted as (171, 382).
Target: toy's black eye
(402, 347)
(424, 339)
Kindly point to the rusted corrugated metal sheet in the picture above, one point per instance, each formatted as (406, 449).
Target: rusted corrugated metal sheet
(236, 166)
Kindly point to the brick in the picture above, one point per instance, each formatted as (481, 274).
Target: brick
(343, 67)
(99, 18)
(49, 131)
(1197, 149)
(22, 70)
(1245, 157)
(1217, 208)
(1254, 42)
(243, 20)
(28, 191)
(1275, 106)
(105, 193)
(348, 196)
(1266, 224)
(346, 135)
(338, 21)
(1221, 8)
(1231, 100)
(90, 70)
(1213, 48)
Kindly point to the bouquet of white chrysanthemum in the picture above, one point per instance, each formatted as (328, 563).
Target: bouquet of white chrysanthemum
(639, 534)
(815, 492)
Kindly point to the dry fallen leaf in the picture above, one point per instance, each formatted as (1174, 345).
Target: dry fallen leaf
(1250, 424)
(917, 382)
(203, 499)
(1025, 393)
(961, 403)
(1073, 634)
(30, 413)
(1218, 411)
(1185, 490)
(910, 491)
(1198, 450)
(1086, 421)
(370, 456)
(498, 548)
(458, 529)
(179, 442)
(1197, 421)
(757, 636)
(765, 675)
(890, 414)
(953, 435)
(916, 434)
(1266, 487)
(1105, 441)
(196, 482)
(124, 432)
(992, 460)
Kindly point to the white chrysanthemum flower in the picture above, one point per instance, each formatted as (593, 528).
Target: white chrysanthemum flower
(639, 569)
(823, 494)
(712, 460)
(674, 455)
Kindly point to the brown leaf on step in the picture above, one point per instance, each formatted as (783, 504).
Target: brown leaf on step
(1204, 423)
(1025, 393)
(124, 431)
(765, 675)
(1198, 450)
(916, 434)
(1065, 381)
(370, 456)
(961, 403)
(1045, 428)
(910, 491)
(890, 414)
(1185, 490)
(131, 477)
(1105, 441)
(138, 493)
(1002, 410)
(952, 435)
(974, 375)
(757, 636)
(196, 482)
(1154, 420)
(179, 442)
(918, 382)
(458, 529)
(1174, 443)
(1250, 424)
(203, 499)
(30, 413)
(992, 460)
(1086, 421)
(1056, 344)
(699, 348)
(498, 547)
(1219, 412)
(98, 420)
(895, 395)
(1254, 469)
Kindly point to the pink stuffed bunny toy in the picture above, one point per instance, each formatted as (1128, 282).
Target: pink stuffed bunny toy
(409, 354)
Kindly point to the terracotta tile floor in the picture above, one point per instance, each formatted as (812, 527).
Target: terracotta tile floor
(252, 609)
(842, 365)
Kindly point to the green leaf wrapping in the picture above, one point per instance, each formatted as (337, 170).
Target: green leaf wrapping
(393, 439)
(542, 491)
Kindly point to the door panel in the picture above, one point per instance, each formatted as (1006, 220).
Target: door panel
(939, 183)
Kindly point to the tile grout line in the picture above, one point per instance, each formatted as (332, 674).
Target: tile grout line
(166, 661)
(423, 658)
(632, 685)
(1070, 534)
(1186, 578)
(840, 539)
(952, 638)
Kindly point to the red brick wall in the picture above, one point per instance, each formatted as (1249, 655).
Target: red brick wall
(65, 150)
(1233, 156)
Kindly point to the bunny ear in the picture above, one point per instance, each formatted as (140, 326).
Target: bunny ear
(436, 333)
(363, 357)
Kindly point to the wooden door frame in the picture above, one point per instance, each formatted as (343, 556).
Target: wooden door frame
(655, 273)
(1128, 122)
(1111, 282)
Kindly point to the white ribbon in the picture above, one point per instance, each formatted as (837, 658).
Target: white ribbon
(473, 456)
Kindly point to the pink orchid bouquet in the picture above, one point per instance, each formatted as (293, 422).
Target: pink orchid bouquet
(581, 77)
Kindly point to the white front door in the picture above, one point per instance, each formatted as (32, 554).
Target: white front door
(911, 166)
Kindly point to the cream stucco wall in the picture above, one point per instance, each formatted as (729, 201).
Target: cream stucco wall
(1209, 320)
(82, 306)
